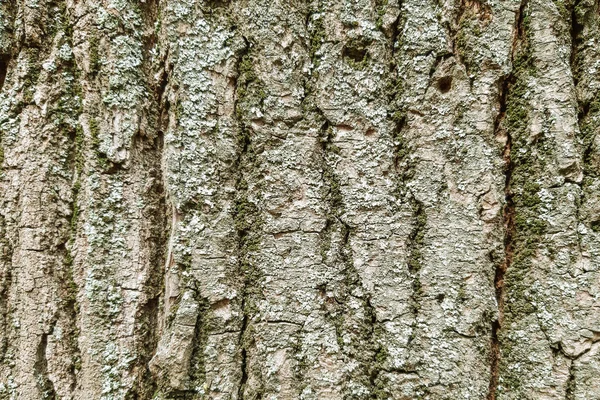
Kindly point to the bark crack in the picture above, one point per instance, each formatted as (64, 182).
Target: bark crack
(508, 212)
(6, 281)
(570, 391)
(45, 385)
(243, 352)
(4, 61)
(68, 303)
(162, 212)
(415, 244)
(583, 109)
(246, 214)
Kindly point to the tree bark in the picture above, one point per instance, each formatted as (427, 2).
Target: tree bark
(251, 199)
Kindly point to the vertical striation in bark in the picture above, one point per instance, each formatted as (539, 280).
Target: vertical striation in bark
(252, 199)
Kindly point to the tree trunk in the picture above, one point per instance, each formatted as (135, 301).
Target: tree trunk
(287, 199)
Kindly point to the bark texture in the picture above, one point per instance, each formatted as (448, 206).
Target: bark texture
(300, 199)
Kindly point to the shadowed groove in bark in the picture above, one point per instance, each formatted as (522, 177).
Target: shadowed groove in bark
(415, 245)
(508, 216)
(246, 218)
(398, 116)
(5, 247)
(508, 225)
(395, 31)
(571, 382)
(4, 60)
(68, 306)
(576, 30)
(45, 385)
(68, 302)
(508, 211)
(149, 311)
(5, 284)
(244, 356)
(197, 368)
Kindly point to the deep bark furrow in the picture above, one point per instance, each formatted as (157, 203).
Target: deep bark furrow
(415, 244)
(149, 312)
(4, 61)
(41, 370)
(508, 216)
(244, 214)
(571, 382)
(508, 210)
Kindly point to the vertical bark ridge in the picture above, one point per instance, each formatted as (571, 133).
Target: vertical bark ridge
(546, 176)
(199, 343)
(158, 209)
(40, 157)
(350, 292)
(584, 30)
(119, 199)
(452, 66)
(277, 111)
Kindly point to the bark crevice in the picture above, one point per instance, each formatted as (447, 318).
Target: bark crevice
(4, 61)
(416, 240)
(45, 385)
(508, 211)
(571, 382)
(246, 217)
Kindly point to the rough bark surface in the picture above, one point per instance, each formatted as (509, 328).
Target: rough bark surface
(296, 199)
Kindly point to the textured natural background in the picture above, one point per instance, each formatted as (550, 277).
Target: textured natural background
(294, 199)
